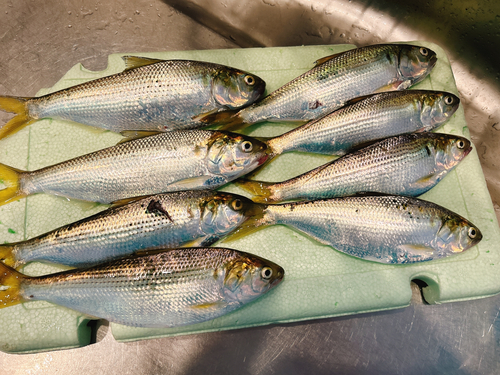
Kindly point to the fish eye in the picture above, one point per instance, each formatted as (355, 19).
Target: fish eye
(448, 100)
(237, 204)
(460, 144)
(266, 273)
(472, 233)
(246, 146)
(424, 51)
(249, 80)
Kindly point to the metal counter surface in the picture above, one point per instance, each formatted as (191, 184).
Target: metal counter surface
(41, 40)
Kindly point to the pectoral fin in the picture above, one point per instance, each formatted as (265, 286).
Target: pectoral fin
(195, 183)
(424, 252)
(202, 241)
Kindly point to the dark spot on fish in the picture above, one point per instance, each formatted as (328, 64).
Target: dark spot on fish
(190, 213)
(357, 210)
(314, 105)
(32, 296)
(155, 207)
(428, 150)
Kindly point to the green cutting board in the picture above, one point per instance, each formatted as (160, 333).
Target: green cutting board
(319, 282)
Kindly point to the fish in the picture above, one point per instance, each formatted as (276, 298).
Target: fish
(179, 219)
(367, 119)
(409, 164)
(389, 229)
(167, 288)
(164, 162)
(333, 82)
(149, 95)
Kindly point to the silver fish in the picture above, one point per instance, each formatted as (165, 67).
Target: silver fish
(151, 94)
(368, 119)
(192, 218)
(166, 289)
(172, 161)
(386, 229)
(335, 80)
(408, 165)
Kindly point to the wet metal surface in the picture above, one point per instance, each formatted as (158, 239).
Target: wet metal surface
(40, 41)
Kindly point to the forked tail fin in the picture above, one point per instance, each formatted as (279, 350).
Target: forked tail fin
(7, 256)
(10, 282)
(10, 178)
(230, 120)
(18, 106)
(261, 191)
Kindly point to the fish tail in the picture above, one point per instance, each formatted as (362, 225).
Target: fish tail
(262, 191)
(7, 256)
(10, 178)
(259, 218)
(228, 120)
(18, 106)
(10, 283)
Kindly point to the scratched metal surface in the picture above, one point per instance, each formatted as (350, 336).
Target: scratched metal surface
(40, 40)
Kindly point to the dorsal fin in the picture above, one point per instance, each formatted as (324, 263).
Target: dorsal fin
(132, 62)
(131, 135)
(326, 58)
(358, 99)
(125, 201)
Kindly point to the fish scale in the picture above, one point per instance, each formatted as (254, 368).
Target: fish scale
(163, 289)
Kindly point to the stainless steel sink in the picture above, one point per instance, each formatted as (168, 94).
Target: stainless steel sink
(40, 42)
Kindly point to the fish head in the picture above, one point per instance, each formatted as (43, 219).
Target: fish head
(249, 276)
(415, 63)
(224, 212)
(234, 89)
(437, 108)
(233, 155)
(455, 235)
(449, 150)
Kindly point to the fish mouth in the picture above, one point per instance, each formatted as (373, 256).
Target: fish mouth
(432, 62)
(262, 159)
(467, 152)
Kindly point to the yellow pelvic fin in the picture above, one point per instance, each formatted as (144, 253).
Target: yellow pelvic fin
(426, 179)
(18, 106)
(132, 62)
(10, 281)
(10, 177)
(207, 305)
